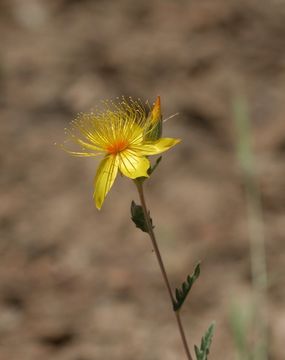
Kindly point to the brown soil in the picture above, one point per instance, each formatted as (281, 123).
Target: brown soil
(78, 284)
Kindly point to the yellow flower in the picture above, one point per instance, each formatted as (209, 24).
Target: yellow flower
(123, 133)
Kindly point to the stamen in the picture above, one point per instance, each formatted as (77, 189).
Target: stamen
(118, 146)
(170, 117)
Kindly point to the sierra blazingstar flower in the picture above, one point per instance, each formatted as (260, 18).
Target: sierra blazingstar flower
(125, 135)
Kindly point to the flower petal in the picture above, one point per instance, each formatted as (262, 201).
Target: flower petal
(132, 165)
(156, 147)
(104, 179)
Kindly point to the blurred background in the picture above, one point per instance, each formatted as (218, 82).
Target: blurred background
(79, 284)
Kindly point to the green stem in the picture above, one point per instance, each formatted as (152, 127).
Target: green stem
(258, 265)
(161, 266)
(256, 227)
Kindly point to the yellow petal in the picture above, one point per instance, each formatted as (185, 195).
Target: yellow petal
(156, 147)
(132, 165)
(104, 178)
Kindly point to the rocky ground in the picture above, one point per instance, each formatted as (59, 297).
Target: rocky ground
(78, 284)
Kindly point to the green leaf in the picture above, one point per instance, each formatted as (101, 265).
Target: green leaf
(182, 293)
(152, 168)
(138, 218)
(204, 350)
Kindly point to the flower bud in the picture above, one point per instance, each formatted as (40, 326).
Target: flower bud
(154, 120)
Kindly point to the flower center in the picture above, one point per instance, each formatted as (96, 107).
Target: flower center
(117, 146)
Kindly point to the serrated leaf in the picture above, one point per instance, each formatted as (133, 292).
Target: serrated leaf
(204, 350)
(177, 294)
(138, 218)
(152, 168)
(182, 293)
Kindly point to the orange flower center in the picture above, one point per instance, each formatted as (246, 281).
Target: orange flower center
(117, 146)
